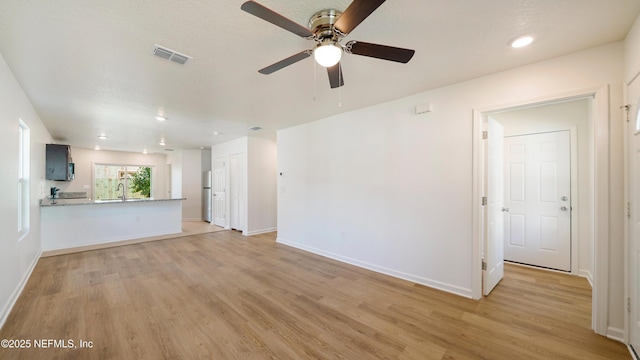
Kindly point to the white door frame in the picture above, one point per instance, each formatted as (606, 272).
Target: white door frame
(223, 160)
(235, 218)
(630, 117)
(598, 157)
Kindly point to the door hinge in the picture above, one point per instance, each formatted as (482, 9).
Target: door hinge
(629, 304)
(628, 209)
(484, 265)
(485, 135)
(484, 201)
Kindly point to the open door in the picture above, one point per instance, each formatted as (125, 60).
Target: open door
(493, 265)
(219, 192)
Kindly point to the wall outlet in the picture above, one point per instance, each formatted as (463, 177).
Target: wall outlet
(86, 187)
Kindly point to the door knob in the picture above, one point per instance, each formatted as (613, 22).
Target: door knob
(505, 209)
(564, 198)
(564, 208)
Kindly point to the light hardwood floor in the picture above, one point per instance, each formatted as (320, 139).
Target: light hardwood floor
(225, 296)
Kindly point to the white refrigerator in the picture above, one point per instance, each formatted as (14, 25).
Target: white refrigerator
(206, 196)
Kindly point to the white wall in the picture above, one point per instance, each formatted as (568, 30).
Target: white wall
(632, 52)
(186, 181)
(261, 186)
(84, 160)
(206, 159)
(18, 257)
(570, 115)
(192, 185)
(175, 160)
(389, 190)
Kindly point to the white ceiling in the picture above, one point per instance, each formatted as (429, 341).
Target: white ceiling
(87, 65)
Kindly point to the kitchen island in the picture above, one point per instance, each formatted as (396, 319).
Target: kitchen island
(77, 223)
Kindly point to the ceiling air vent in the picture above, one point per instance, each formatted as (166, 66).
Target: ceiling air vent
(255, 128)
(169, 54)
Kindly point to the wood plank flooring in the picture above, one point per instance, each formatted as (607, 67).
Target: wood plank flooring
(225, 296)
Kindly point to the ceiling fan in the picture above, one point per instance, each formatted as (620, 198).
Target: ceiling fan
(327, 28)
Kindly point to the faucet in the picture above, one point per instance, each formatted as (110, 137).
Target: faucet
(123, 197)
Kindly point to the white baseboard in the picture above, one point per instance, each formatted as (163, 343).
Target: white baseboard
(615, 334)
(257, 232)
(587, 275)
(6, 310)
(633, 354)
(105, 242)
(380, 269)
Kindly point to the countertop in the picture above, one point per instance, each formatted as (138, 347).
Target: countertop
(78, 202)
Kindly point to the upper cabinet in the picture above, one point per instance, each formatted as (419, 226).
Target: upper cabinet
(59, 162)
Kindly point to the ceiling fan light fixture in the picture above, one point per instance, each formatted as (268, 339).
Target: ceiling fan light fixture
(327, 54)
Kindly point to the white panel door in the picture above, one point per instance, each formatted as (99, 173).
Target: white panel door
(538, 190)
(633, 98)
(494, 223)
(234, 190)
(219, 192)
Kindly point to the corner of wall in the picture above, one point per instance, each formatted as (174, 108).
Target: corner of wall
(6, 310)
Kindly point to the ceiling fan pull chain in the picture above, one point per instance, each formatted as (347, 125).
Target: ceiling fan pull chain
(315, 81)
(340, 82)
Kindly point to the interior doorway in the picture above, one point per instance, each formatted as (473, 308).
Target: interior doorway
(538, 204)
(592, 190)
(546, 177)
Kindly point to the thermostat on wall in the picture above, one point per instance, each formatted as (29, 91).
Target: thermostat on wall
(423, 108)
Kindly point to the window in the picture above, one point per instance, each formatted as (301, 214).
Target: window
(24, 162)
(136, 180)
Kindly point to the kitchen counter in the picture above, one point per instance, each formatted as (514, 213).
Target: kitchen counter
(77, 223)
(76, 202)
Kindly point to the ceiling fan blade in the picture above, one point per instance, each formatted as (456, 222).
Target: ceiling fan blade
(355, 14)
(383, 52)
(273, 17)
(335, 76)
(285, 62)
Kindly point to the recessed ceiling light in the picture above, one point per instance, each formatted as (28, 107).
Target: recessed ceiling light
(97, 147)
(102, 137)
(216, 133)
(144, 151)
(521, 41)
(161, 118)
(162, 143)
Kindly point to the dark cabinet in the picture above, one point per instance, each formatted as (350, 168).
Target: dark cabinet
(59, 163)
